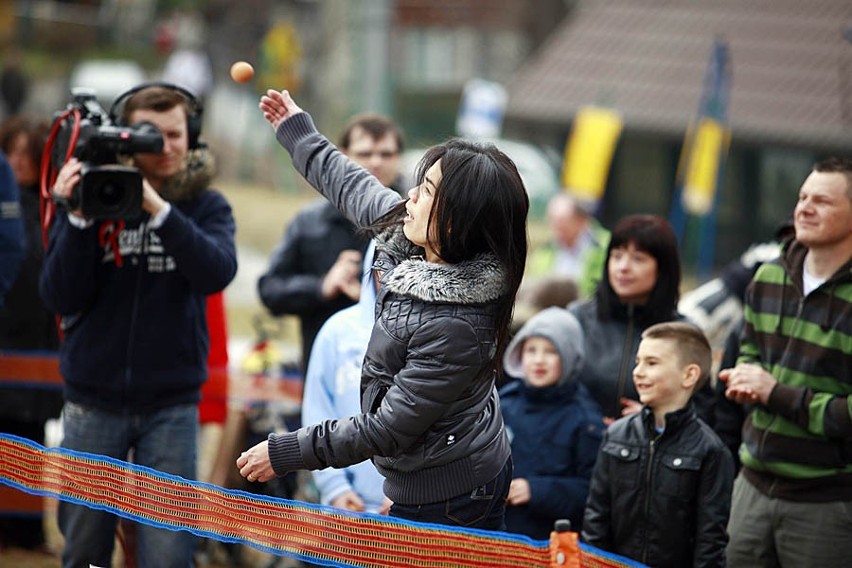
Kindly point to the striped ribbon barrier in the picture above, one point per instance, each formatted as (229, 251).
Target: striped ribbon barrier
(308, 532)
(39, 370)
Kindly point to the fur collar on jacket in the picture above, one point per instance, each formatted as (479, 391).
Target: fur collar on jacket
(479, 280)
(191, 180)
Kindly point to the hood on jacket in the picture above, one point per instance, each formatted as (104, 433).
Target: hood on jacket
(479, 280)
(191, 180)
(561, 328)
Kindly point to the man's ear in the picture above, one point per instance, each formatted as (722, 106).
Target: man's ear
(692, 373)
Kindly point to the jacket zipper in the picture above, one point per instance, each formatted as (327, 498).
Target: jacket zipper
(761, 446)
(128, 370)
(649, 474)
(786, 353)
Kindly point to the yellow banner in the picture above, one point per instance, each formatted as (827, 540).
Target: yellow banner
(703, 151)
(589, 152)
(280, 59)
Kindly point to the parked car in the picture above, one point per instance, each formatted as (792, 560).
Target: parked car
(107, 77)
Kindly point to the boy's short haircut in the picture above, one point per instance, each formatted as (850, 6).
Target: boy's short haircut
(690, 344)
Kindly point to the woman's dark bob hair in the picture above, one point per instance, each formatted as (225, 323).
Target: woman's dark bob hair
(653, 235)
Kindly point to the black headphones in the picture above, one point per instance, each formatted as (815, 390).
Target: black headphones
(194, 114)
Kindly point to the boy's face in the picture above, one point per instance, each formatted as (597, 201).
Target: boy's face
(540, 362)
(659, 376)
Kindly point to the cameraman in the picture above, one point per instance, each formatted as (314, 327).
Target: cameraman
(131, 294)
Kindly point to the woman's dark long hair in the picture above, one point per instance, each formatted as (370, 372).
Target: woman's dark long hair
(653, 235)
(480, 206)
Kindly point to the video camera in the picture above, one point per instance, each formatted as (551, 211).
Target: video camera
(108, 190)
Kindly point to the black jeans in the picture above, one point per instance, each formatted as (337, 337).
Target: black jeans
(482, 508)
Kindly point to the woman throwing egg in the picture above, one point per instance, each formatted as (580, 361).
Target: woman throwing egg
(449, 262)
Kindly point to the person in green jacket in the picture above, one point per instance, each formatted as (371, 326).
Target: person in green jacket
(792, 501)
(577, 247)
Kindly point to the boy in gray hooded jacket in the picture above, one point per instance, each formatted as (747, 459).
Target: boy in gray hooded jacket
(554, 425)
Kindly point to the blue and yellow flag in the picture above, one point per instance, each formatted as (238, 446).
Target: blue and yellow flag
(703, 154)
(702, 161)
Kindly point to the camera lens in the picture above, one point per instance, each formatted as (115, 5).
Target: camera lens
(111, 191)
(110, 195)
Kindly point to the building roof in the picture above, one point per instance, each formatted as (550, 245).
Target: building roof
(791, 63)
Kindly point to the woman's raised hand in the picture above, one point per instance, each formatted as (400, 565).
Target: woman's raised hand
(278, 107)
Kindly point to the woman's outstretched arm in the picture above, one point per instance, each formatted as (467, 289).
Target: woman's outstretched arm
(350, 188)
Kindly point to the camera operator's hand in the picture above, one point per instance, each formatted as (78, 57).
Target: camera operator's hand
(151, 200)
(69, 176)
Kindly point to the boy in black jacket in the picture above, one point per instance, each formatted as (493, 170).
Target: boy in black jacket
(661, 489)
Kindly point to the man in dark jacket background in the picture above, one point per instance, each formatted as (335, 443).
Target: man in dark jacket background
(316, 269)
(14, 84)
(132, 296)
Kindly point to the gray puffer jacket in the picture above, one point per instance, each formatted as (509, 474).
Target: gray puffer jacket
(431, 416)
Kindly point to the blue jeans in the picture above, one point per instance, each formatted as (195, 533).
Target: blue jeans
(482, 508)
(164, 440)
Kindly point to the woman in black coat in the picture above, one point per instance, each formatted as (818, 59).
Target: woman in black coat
(449, 262)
